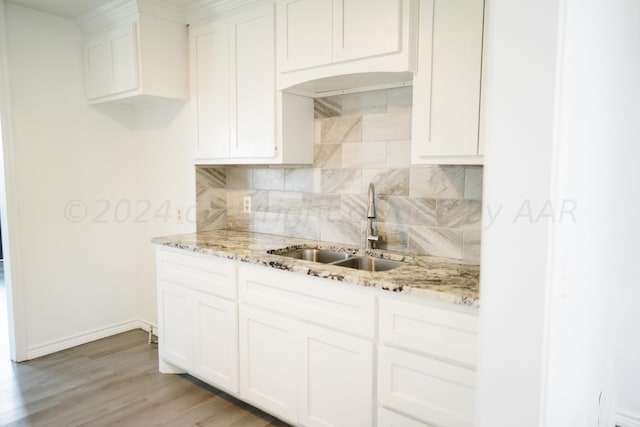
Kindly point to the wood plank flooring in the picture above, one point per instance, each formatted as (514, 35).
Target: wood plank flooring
(115, 381)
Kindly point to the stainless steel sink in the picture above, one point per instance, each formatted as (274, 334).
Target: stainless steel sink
(368, 263)
(340, 259)
(316, 255)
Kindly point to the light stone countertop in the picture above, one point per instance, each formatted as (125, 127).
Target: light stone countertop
(443, 279)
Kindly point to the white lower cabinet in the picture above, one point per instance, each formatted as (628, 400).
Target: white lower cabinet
(426, 363)
(304, 374)
(198, 332)
(316, 352)
(292, 366)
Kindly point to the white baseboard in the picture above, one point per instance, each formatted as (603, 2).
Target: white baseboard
(627, 419)
(145, 325)
(96, 334)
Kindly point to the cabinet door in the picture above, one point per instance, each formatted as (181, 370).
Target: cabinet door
(268, 368)
(305, 36)
(123, 43)
(446, 87)
(210, 86)
(365, 28)
(252, 72)
(97, 64)
(111, 62)
(336, 379)
(216, 344)
(176, 325)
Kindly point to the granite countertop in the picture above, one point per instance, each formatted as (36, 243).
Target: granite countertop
(442, 279)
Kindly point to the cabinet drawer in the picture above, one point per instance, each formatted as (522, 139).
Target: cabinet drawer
(200, 272)
(387, 418)
(432, 330)
(316, 300)
(428, 389)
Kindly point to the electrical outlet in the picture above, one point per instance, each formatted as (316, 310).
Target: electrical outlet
(246, 204)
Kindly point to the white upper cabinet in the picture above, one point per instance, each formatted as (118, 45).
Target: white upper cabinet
(366, 28)
(210, 85)
(319, 39)
(305, 36)
(446, 85)
(134, 53)
(252, 77)
(111, 62)
(319, 32)
(239, 116)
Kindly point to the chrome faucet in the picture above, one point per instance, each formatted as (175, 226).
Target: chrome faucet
(371, 238)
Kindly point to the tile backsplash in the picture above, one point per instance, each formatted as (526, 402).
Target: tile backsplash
(360, 138)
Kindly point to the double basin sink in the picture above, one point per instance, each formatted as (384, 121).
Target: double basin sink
(323, 256)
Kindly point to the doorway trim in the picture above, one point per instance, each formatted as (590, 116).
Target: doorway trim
(9, 212)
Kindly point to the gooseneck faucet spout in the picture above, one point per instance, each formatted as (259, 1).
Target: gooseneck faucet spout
(372, 237)
(371, 212)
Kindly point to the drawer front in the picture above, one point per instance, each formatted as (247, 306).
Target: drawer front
(428, 389)
(315, 300)
(387, 418)
(203, 273)
(429, 329)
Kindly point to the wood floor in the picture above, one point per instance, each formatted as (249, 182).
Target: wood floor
(114, 381)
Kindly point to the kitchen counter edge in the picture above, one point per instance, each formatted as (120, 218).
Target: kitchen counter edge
(436, 278)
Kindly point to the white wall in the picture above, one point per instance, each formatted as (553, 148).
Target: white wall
(561, 125)
(77, 277)
(554, 294)
(165, 181)
(518, 134)
(626, 270)
(93, 277)
(592, 258)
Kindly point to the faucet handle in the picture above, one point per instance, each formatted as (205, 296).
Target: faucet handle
(372, 240)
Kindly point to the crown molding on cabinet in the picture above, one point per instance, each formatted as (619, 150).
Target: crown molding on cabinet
(192, 11)
(116, 10)
(162, 9)
(198, 10)
(105, 15)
